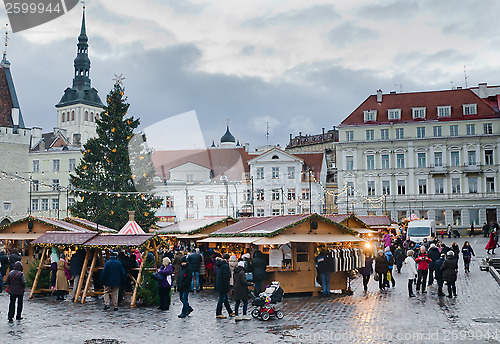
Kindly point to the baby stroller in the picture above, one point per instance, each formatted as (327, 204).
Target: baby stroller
(265, 303)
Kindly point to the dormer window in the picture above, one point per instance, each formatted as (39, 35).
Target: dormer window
(394, 114)
(418, 112)
(444, 111)
(470, 109)
(275, 157)
(370, 115)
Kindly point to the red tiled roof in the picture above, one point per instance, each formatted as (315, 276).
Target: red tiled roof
(88, 224)
(313, 160)
(64, 238)
(431, 100)
(260, 225)
(232, 162)
(119, 240)
(376, 220)
(338, 218)
(5, 101)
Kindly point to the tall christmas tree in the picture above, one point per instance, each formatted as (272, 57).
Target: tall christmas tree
(105, 184)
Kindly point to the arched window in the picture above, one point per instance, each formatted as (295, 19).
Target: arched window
(63, 114)
(92, 117)
(86, 116)
(72, 115)
(67, 118)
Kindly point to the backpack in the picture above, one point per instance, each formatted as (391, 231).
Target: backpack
(390, 259)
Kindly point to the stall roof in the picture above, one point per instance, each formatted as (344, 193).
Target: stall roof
(122, 240)
(261, 225)
(376, 220)
(63, 238)
(19, 236)
(192, 226)
(231, 240)
(364, 231)
(321, 238)
(275, 240)
(89, 224)
(337, 217)
(54, 223)
(192, 236)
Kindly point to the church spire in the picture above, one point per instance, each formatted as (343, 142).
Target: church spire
(82, 61)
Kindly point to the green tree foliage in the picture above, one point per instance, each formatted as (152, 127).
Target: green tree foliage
(104, 176)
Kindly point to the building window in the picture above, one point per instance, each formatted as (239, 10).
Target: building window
(370, 162)
(350, 188)
(209, 201)
(471, 129)
(275, 172)
(400, 133)
(190, 201)
(222, 201)
(35, 185)
(55, 165)
(189, 178)
(259, 212)
(470, 109)
(72, 164)
(291, 211)
(440, 217)
(370, 188)
(422, 186)
(384, 134)
(34, 204)
(349, 163)
(454, 130)
(437, 131)
(260, 194)
(260, 172)
(72, 115)
(370, 115)
(472, 185)
(455, 158)
(291, 194)
(55, 184)
(45, 204)
(488, 157)
(401, 187)
(438, 159)
(400, 160)
(276, 211)
(275, 194)
(471, 158)
(420, 132)
(370, 135)
(394, 114)
(36, 165)
(169, 201)
(421, 160)
(457, 217)
(418, 112)
(455, 185)
(439, 183)
(490, 184)
(305, 194)
(291, 172)
(385, 161)
(386, 187)
(63, 117)
(488, 128)
(86, 116)
(247, 195)
(55, 204)
(71, 201)
(444, 111)
(349, 136)
(92, 117)
(474, 217)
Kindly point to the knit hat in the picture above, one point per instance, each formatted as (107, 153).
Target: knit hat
(380, 252)
(433, 245)
(246, 256)
(166, 261)
(225, 256)
(184, 259)
(241, 264)
(450, 253)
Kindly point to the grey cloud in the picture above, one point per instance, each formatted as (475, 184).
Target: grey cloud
(248, 50)
(442, 57)
(347, 33)
(307, 16)
(184, 6)
(396, 10)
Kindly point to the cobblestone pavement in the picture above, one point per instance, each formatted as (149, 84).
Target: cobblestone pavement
(374, 317)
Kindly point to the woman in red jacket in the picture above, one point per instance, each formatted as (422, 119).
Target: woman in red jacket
(422, 269)
(492, 244)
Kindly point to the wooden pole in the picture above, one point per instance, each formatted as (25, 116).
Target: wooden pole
(139, 276)
(155, 248)
(89, 277)
(82, 275)
(40, 267)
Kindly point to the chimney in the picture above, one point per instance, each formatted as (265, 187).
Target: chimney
(323, 130)
(300, 134)
(131, 215)
(379, 96)
(290, 137)
(36, 135)
(483, 90)
(247, 146)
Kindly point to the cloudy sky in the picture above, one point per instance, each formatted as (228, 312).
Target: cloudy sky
(299, 65)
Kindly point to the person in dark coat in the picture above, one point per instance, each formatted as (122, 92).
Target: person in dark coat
(486, 230)
(75, 267)
(17, 285)
(194, 260)
(111, 277)
(222, 285)
(381, 268)
(184, 277)
(456, 250)
(366, 271)
(165, 283)
(323, 271)
(240, 290)
(467, 253)
(13, 258)
(449, 269)
(492, 243)
(399, 256)
(472, 230)
(439, 274)
(4, 265)
(433, 255)
(259, 266)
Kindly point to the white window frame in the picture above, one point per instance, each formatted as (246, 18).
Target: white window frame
(470, 129)
(444, 111)
(393, 114)
(370, 162)
(420, 132)
(291, 172)
(384, 134)
(437, 131)
(36, 165)
(260, 173)
(454, 132)
(349, 135)
(488, 128)
(400, 133)
(469, 109)
(385, 163)
(418, 112)
(349, 163)
(275, 172)
(370, 135)
(370, 115)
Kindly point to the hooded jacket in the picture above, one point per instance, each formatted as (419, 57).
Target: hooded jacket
(240, 288)
(222, 277)
(381, 264)
(16, 280)
(165, 271)
(434, 255)
(112, 273)
(184, 277)
(449, 269)
(4, 261)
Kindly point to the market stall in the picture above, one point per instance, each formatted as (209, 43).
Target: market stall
(290, 244)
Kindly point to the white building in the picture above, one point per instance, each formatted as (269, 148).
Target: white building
(435, 154)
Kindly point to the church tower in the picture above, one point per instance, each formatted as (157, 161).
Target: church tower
(80, 105)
